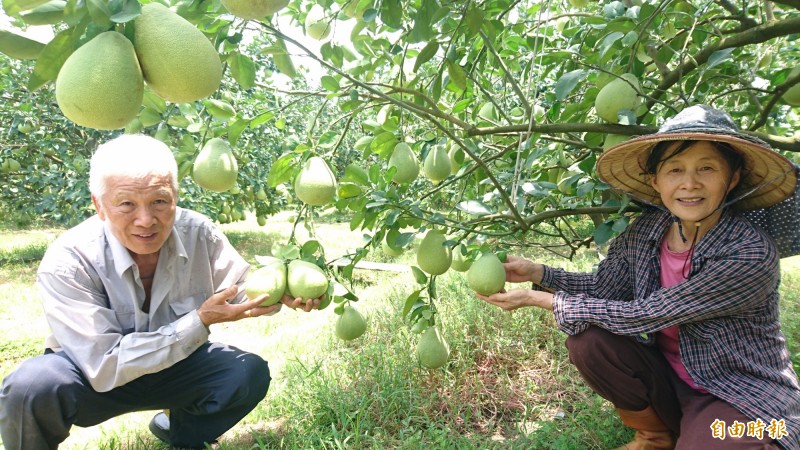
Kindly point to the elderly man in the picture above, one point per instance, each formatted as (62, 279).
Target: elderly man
(129, 295)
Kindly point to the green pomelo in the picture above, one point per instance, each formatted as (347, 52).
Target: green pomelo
(390, 250)
(351, 324)
(404, 159)
(253, 9)
(792, 96)
(486, 276)
(215, 167)
(315, 184)
(456, 155)
(100, 85)
(432, 350)
(578, 3)
(316, 24)
(352, 10)
(437, 164)
(270, 279)
(614, 139)
(178, 61)
(432, 256)
(488, 112)
(461, 261)
(616, 96)
(306, 280)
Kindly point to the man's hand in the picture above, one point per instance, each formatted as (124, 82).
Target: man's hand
(305, 305)
(217, 309)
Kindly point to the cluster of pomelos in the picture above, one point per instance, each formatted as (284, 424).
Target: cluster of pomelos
(101, 84)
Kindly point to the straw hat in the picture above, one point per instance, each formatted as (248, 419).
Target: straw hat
(769, 175)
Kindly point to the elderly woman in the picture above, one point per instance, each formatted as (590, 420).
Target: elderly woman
(679, 327)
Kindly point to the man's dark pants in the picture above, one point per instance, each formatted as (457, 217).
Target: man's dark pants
(206, 393)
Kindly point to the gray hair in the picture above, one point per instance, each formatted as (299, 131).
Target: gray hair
(131, 155)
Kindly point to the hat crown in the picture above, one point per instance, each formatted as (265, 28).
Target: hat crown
(700, 119)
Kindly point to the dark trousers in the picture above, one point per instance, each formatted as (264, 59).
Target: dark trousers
(206, 393)
(634, 376)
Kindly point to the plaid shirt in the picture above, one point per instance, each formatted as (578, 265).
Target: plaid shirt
(727, 311)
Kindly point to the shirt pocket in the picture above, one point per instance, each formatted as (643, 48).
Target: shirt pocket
(182, 306)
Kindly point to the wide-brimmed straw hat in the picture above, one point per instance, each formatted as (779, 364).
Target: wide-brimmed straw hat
(767, 177)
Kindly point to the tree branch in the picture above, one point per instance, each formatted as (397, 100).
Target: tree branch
(755, 35)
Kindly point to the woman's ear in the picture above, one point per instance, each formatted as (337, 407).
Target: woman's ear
(654, 182)
(735, 178)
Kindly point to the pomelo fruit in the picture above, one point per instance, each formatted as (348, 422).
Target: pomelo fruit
(437, 164)
(433, 257)
(457, 156)
(614, 139)
(100, 84)
(316, 24)
(619, 94)
(351, 324)
(269, 279)
(404, 159)
(461, 261)
(315, 184)
(215, 167)
(306, 280)
(432, 350)
(253, 9)
(486, 276)
(178, 61)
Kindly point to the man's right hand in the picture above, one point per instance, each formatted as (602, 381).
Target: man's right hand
(217, 309)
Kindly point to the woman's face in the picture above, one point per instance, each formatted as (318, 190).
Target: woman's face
(695, 182)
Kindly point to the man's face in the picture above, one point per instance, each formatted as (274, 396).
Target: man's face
(140, 211)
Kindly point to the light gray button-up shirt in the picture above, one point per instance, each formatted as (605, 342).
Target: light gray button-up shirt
(93, 295)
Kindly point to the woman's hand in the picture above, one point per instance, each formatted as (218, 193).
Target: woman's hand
(518, 298)
(521, 270)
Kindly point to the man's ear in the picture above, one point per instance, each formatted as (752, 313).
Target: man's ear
(100, 212)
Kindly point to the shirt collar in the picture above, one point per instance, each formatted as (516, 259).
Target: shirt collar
(709, 244)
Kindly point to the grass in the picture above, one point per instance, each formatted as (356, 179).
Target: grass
(508, 383)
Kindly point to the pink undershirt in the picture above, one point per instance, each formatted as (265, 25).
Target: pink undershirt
(667, 339)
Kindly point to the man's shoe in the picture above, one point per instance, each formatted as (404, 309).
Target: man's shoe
(159, 426)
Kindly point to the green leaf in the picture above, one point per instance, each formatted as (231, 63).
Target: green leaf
(14, 7)
(235, 129)
(456, 74)
(281, 170)
(219, 109)
(19, 47)
(719, 57)
(348, 190)
(427, 52)
(391, 13)
(421, 30)
(474, 207)
(243, 70)
(130, 10)
(53, 56)
(474, 20)
(47, 14)
(609, 41)
(101, 15)
(409, 303)
(567, 83)
(603, 233)
(330, 83)
(261, 119)
(420, 276)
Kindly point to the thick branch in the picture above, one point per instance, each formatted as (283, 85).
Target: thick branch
(755, 35)
(777, 142)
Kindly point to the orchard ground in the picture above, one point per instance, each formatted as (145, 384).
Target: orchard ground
(508, 383)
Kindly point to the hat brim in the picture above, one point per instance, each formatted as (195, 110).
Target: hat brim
(622, 168)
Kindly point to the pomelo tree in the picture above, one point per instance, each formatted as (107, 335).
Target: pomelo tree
(513, 90)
